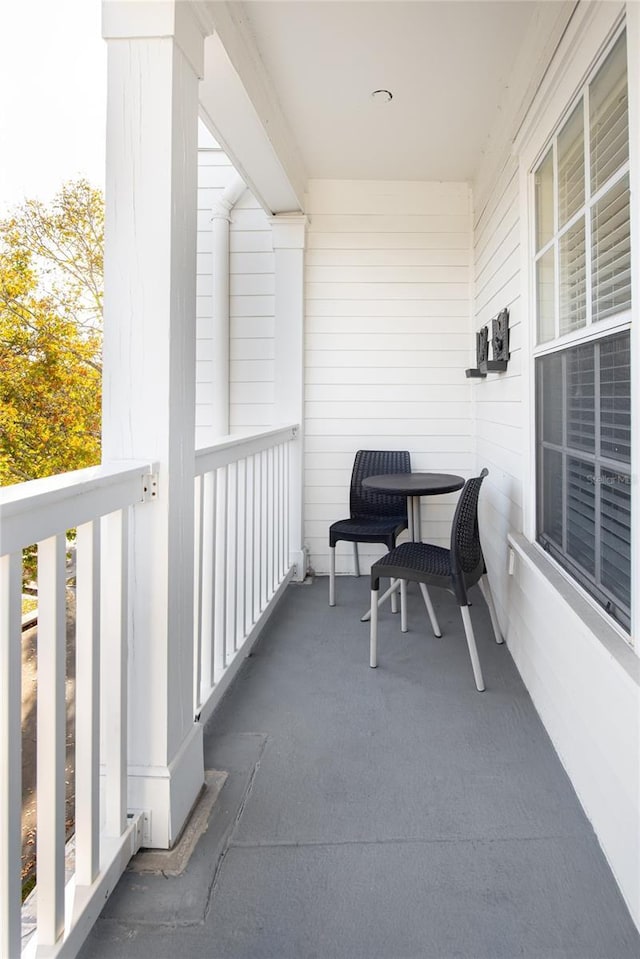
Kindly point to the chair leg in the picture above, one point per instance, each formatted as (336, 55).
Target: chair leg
(332, 576)
(430, 610)
(473, 652)
(486, 592)
(394, 597)
(403, 605)
(356, 561)
(373, 630)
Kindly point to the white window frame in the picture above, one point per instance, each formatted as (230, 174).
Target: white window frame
(591, 34)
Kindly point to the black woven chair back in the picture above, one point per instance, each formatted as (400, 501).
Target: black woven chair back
(466, 551)
(367, 503)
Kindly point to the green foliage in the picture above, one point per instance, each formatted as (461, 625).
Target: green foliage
(51, 334)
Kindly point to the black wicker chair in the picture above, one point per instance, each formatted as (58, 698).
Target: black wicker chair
(375, 517)
(455, 569)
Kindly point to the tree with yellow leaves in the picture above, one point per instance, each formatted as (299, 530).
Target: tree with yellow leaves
(51, 334)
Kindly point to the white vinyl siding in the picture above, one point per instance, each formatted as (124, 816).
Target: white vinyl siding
(251, 302)
(497, 400)
(582, 677)
(387, 342)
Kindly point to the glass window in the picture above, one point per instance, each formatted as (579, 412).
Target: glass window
(583, 409)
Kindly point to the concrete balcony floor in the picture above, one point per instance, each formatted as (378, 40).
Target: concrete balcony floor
(378, 814)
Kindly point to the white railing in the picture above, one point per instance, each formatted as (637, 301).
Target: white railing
(96, 502)
(242, 550)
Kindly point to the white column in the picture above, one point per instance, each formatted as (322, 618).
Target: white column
(154, 59)
(289, 230)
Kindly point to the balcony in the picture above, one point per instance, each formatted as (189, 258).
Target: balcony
(377, 813)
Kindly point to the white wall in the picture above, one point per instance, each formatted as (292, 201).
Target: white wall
(387, 342)
(583, 679)
(251, 302)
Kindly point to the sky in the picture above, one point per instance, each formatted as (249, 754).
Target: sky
(52, 97)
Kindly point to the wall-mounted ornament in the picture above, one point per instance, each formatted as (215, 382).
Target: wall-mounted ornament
(499, 347)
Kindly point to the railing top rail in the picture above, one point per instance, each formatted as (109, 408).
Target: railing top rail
(229, 449)
(32, 511)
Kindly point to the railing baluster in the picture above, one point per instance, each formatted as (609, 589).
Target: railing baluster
(114, 617)
(198, 510)
(219, 653)
(281, 567)
(10, 753)
(51, 733)
(285, 484)
(264, 533)
(257, 535)
(232, 543)
(250, 545)
(270, 529)
(87, 759)
(241, 553)
(207, 575)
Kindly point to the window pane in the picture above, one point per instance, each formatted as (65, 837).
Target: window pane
(615, 504)
(549, 397)
(581, 406)
(551, 518)
(544, 201)
(571, 166)
(615, 398)
(573, 279)
(545, 284)
(608, 117)
(611, 253)
(581, 513)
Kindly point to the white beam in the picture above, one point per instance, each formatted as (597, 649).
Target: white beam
(149, 385)
(237, 105)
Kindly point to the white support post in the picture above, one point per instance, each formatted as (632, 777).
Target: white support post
(155, 56)
(289, 232)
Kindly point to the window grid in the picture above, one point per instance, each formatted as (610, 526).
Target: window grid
(586, 490)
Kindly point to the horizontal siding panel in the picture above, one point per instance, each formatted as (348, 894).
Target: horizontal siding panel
(251, 262)
(413, 325)
(385, 196)
(348, 392)
(256, 349)
(251, 219)
(242, 241)
(345, 426)
(492, 257)
(499, 413)
(252, 327)
(252, 284)
(383, 375)
(251, 371)
(252, 305)
(387, 407)
(251, 392)
(255, 415)
(387, 275)
(387, 291)
(391, 223)
(388, 308)
(379, 239)
(204, 306)
(399, 359)
(386, 258)
(505, 274)
(214, 176)
(328, 459)
(420, 445)
(418, 342)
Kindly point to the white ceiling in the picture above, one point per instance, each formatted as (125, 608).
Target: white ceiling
(446, 63)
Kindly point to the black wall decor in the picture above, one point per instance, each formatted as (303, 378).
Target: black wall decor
(499, 347)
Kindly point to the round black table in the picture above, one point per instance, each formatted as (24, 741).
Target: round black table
(413, 486)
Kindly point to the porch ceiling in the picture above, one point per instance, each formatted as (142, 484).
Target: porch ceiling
(447, 64)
